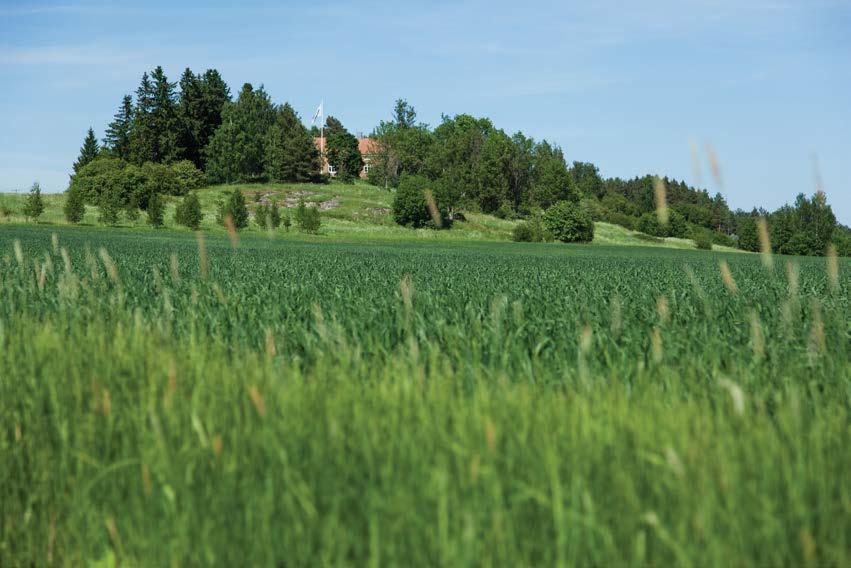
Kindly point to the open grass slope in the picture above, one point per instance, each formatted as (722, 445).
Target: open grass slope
(302, 403)
(350, 211)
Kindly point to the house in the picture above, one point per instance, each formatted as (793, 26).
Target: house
(366, 146)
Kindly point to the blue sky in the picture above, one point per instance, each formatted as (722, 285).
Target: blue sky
(630, 86)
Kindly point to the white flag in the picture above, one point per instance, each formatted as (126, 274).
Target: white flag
(318, 113)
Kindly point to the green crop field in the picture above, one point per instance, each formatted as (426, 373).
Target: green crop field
(167, 399)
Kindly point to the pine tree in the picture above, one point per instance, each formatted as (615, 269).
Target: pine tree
(156, 210)
(88, 152)
(142, 136)
(34, 205)
(117, 139)
(274, 216)
(74, 207)
(237, 209)
(202, 99)
(261, 216)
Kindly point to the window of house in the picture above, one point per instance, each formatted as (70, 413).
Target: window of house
(366, 168)
(332, 169)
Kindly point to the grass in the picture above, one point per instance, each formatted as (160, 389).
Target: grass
(361, 211)
(417, 403)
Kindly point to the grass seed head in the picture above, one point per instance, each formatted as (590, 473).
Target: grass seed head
(202, 253)
(714, 165)
(656, 346)
(257, 400)
(661, 200)
(832, 267)
(727, 277)
(764, 243)
(234, 238)
(737, 395)
(757, 339)
(432, 209)
(19, 252)
(663, 309)
(792, 279)
(175, 269)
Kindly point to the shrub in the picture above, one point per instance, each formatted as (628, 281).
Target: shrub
(34, 205)
(156, 210)
(74, 207)
(569, 223)
(307, 218)
(649, 225)
(286, 221)
(532, 230)
(93, 178)
(274, 216)
(235, 208)
(188, 212)
(410, 207)
(505, 211)
(703, 241)
(186, 177)
(109, 208)
(261, 216)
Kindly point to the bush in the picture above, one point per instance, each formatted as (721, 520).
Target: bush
(703, 241)
(531, 230)
(74, 207)
(410, 207)
(93, 178)
(274, 216)
(505, 211)
(156, 210)
(286, 221)
(307, 218)
(188, 212)
(618, 218)
(569, 223)
(186, 177)
(261, 216)
(235, 208)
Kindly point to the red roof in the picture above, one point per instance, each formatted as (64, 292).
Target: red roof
(365, 145)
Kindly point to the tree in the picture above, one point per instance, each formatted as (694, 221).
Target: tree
(344, 155)
(117, 139)
(88, 152)
(587, 179)
(188, 212)
(186, 177)
(569, 223)
(261, 216)
(334, 126)
(74, 207)
(398, 147)
(202, 98)
(236, 151)
(748, 234)
(493, 171)
(109, 202)
(290, 154)
(156, 210)
(551, 180)
(34, 205)
(455, 154)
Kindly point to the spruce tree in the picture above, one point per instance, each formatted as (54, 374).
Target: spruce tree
(117, 139)
(88, 152)
(156, 125)
(202, 99)
(34, 205)
(156, 210)
(74, 207)
(274, 216)
(290, 153)
(237, 209)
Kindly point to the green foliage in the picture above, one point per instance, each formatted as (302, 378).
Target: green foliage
(677, 226)
(235, 208)
(274, 216)
(187, 177)
(74, 207)
(290, 154)
(202, 98)
(569, 223)
(109, 205)
(703, 241)
(748, 234)
(155, 135)
(88, 152)
(261, 216)
(236, 151)
(188, 212)
(410, 205)
(307, 218)
(156, 210)
(117, 140)
(34, 205)
(532, 230)
(286, 221)
(587, 180)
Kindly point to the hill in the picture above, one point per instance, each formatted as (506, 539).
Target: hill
(349, 211)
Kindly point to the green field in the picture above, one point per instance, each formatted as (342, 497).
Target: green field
(315, 401)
